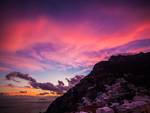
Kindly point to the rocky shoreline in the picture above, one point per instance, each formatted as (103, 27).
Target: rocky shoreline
(119, 85)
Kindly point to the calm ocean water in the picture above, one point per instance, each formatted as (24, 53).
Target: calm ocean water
(24, 104)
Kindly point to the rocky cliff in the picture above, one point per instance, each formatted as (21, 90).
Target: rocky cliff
(119, 85)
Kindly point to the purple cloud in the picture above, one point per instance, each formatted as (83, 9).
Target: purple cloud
(45, 86)
(73, 81)
(133, 46)
(13, 75)
(60, 83)
(59, 88)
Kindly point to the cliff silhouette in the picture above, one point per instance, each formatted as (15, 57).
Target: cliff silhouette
(119, 85)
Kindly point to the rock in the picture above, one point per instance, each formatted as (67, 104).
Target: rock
(104, 110)
(115, 105)
(81, 112)
(86, 101)
(144, 98)
(113, 81)
(133, 104)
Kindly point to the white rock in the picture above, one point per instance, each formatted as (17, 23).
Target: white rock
(142, 98)
(86, 101)
(105, 110)
(133, 104)
(115, 104)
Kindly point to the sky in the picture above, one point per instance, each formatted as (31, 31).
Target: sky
(52, 41)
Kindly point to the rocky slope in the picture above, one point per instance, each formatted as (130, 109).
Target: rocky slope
(119, 85)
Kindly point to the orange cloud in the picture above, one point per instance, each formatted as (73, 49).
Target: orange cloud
(17, 91)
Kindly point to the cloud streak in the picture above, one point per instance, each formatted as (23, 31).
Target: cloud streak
(44, 93)
(128, 48)
(12, 75)
(24, 92)
(59, 88)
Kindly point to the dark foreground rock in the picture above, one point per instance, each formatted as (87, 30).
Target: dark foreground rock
(119, 85)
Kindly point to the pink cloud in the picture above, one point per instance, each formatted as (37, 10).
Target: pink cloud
(4, 69)
(23, 63)
(23, 34)
(75, 40)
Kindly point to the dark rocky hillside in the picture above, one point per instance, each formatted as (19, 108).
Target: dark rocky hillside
(119, 85)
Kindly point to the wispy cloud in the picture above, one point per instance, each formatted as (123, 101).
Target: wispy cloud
(12, 61)
(128, 48)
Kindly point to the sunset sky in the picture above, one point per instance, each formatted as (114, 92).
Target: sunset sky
(52, 40)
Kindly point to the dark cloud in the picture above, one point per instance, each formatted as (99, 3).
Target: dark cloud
(27, 86)
(3, 94)
(73, 81)
(44, 93)
(11, 85)
(13, 75)
(59, 88)
(22, 91)
(60, 83)
(45, 86)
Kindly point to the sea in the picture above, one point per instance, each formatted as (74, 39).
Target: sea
(24, 104)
